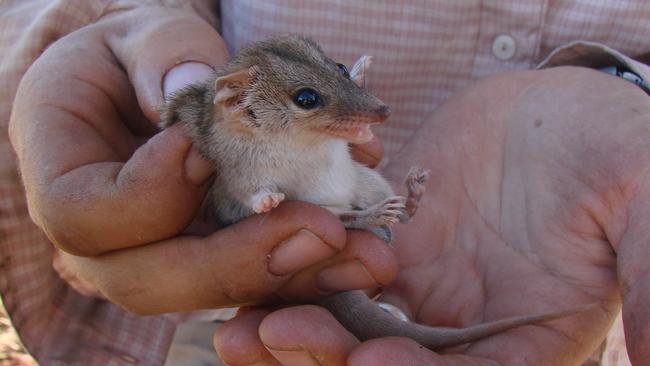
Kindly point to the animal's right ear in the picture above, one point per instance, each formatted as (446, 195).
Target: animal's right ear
(360, 70)
(229, 91)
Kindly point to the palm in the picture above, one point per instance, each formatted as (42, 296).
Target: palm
(502, 231)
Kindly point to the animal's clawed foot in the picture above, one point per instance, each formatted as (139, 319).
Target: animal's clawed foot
(265, 201)
(415, 186)
(415, 180)
(388, 212)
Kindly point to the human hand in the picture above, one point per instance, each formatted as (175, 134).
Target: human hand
(538, 202)
(116, 195)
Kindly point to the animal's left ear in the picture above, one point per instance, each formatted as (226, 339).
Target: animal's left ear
(229, 91)
(360, 69)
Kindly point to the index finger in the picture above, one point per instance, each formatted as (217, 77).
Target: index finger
(240, 264)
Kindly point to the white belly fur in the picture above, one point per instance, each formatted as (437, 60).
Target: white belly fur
(333, 185)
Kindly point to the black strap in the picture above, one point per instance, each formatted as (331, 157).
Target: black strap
(629, 75)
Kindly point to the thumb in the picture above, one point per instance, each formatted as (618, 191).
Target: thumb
(164, 49)
(184, 74)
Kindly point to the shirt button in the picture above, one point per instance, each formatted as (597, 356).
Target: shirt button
(504, 47)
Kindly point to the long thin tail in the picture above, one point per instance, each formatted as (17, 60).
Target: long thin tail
(363, 318)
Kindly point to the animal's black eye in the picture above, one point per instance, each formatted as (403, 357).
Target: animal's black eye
(306, 98)
(344, 70)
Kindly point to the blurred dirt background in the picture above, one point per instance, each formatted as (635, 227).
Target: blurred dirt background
(12, 352)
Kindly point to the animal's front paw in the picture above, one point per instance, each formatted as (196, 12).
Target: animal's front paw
(266, 201)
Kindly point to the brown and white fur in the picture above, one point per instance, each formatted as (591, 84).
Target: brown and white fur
(266, 148)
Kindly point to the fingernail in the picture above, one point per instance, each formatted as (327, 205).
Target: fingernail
(183, 75)
(346, 276)
(298, 252)
(294, 358)
(197, 168)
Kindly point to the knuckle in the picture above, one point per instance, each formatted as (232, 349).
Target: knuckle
(62, 231)
(241, 292)
(112, 281)
(126, 294)
(62, 240)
